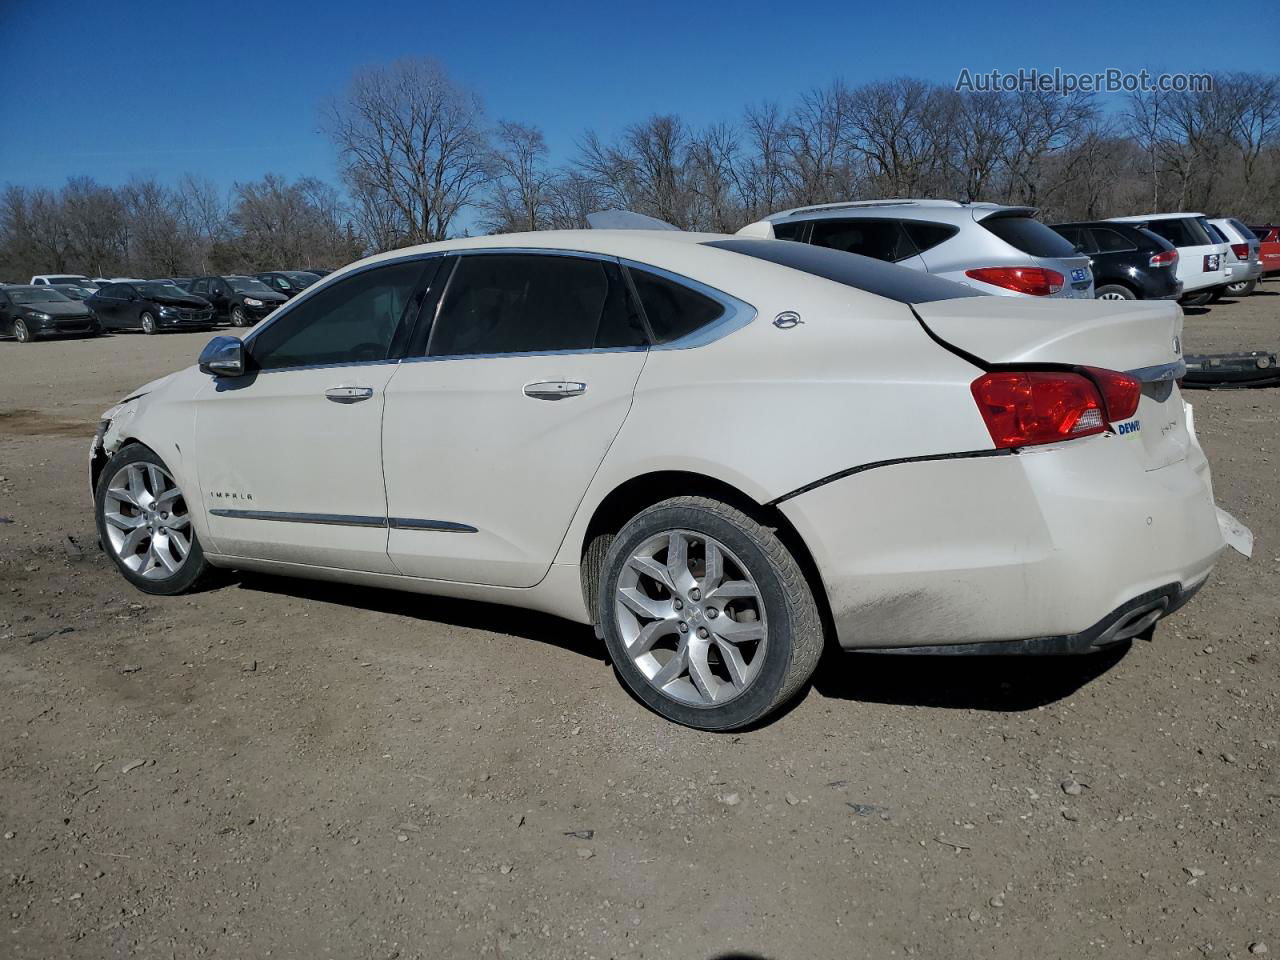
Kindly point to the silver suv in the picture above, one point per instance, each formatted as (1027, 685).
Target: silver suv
(995, 249)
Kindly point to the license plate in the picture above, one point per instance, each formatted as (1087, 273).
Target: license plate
(1079, 276)
(1212, 262)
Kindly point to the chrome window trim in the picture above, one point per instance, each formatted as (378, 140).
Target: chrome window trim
(346, 520)
(737, 313)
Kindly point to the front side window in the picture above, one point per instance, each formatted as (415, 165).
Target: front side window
(878, 239)
(532, 303)
(353, 321)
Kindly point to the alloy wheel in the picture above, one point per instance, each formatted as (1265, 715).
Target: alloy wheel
(692, 618)
(1112, 296)
(147, 521)
(148, 323)
(20, 331)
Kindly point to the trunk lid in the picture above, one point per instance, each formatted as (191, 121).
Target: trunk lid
(1141, 338)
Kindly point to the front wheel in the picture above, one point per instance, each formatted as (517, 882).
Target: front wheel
(21, 332)
(148, 324)
(707, 616)
(238, 318)
(145, 525)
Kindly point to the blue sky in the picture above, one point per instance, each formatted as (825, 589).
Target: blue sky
(232, 89)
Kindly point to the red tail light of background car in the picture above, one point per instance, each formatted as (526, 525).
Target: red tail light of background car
(1035, 281)
(1026, 408)
(1167, 258)
(1241, 250)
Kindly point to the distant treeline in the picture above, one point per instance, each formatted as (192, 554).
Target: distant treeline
(420, 161)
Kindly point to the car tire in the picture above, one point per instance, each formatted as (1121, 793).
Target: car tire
(238, 318)
(1114, 291)
(21, 332)
(1196, 299)
(148, 323)
(1243, 289)
(1217, 295)
(666, 629)
(127, 491)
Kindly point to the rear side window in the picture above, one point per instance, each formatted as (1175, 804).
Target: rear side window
(352, 321)
(788, 231)
(1107, 240)
(673, 310)
(1076, 236)
(874, 276)
(926, 236)
(879, 239)
(530, 303)
(1030, 236)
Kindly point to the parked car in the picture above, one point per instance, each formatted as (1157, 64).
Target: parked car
(150, 306)
(709, 535)
(75, 292)
(61, 279)
(28, 311)
(241, 301)
(1268, 235)
(1128, 262)
(318, 271)
(288, 282)
(1245, 255)
(994, 249)
(1202, 258)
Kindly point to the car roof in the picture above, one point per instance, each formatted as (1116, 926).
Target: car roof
(1141, 218)
(906, 208)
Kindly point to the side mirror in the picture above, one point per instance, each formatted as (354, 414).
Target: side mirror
(223, 357)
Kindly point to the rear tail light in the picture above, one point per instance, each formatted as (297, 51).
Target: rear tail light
(1034, 281)
(1241, 250)
(1022, 409)
(1166, 258)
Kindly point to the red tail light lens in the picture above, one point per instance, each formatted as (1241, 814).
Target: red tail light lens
(1167, 258)
(1034, 281)
(1241, 250)
(1024, 409)
(1120, 392)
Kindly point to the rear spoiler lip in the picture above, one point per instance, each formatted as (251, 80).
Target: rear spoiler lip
(1160, 372)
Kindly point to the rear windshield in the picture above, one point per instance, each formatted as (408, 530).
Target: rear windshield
(1181, 231)
(863, 273)
(1216, 233)
(1030, 236)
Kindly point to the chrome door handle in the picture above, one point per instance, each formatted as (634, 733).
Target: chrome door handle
(554, 389)
(348, 394)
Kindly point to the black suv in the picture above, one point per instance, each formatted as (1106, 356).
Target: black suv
(289, 282)
(241, 301)
(1129, 262)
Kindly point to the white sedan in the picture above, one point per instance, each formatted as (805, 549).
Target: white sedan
(726, 453)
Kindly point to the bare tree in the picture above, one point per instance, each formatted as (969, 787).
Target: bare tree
(411, 146)
(517, 199)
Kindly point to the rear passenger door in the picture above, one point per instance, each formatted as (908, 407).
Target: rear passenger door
(514, 388)
(879, 239)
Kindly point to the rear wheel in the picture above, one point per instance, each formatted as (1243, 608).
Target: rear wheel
(145, 525)
(21, 331)
(1196, 299)
(1242, 289)
(148, 323)
(1114, 291)
(708, 618)
(1217, 294)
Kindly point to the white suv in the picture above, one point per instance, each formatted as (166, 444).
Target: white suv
(1203, 260)
(1245, 253)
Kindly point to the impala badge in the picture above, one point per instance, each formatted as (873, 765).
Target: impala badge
(787, 320)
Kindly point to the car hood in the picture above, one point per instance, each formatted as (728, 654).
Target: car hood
(191, 303)
(266, 297)
(64, 311)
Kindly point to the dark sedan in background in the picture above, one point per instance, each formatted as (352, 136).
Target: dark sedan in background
(28, 312)
(150, 306)
(241, 301)
(1128, 262)
(289, 282)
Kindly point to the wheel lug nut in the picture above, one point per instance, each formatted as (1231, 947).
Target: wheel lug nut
(702, 633)
(712, 613)
(684, 627)
(679, 604)
(695, 595)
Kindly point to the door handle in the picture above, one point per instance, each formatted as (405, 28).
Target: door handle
(554, 389)
(348, 394)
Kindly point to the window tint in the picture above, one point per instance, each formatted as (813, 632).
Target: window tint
(879, 239)
(927, 235)
(1175, 231)
(1215, 233)
(1245, 232)
(1073, 235)
(883, 279)
(354, 320)
(1106, 240)
(199, 286)
(788, 231)
(532, 303)
(673, 310)
(1030, 236)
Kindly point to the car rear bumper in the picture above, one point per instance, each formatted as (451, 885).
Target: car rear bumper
(1055, 543)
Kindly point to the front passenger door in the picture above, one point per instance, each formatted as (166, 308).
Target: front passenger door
(289, 456)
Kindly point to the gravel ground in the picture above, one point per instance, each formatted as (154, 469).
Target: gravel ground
(276, 767)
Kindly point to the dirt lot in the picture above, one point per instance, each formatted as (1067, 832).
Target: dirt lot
(279, 768)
